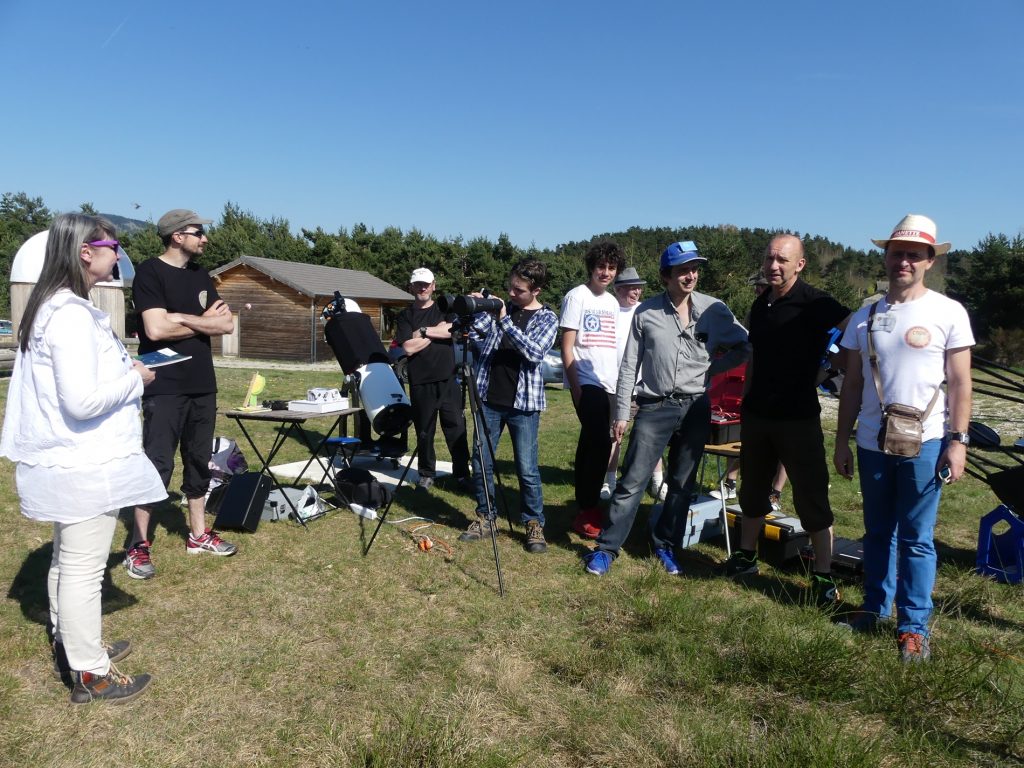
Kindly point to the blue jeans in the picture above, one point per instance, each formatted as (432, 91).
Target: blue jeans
(901, 501)
(522, 426)
(683, 426)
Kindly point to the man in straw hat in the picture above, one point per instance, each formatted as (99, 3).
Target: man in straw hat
(780, 416)
(679, 337)
(917, 338)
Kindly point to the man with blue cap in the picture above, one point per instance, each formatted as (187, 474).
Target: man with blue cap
(680, 337)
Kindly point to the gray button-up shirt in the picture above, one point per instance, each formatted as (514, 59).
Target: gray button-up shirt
(677, 359)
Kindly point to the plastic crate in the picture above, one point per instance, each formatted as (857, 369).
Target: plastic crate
(1001, 551)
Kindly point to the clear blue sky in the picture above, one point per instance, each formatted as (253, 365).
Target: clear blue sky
(551, 121)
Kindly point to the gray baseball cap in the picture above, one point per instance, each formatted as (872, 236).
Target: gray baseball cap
(174, 221)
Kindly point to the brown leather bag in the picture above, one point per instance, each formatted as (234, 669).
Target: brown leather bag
(902, 429)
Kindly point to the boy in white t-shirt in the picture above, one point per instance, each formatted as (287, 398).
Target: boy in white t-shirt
(588, 320)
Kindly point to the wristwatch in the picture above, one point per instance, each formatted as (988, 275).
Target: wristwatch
(960, 437)
(423, 332)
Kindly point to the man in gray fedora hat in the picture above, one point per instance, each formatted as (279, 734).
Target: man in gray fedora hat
(629, 287)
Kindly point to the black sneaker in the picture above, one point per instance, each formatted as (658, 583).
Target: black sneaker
(114, 687)
(741, 564)
(535, 543)
(865, 623)
(478, 529)
(61, 668)
(824, 591)
(425, 483)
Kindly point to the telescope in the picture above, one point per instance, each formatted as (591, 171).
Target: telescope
(468, 305)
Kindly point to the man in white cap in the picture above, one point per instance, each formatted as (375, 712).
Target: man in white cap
(679, 337)
(780, 419)
(179, 308)
(906, 345)
(426, 336)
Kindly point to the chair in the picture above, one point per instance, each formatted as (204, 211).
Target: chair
(345, 447)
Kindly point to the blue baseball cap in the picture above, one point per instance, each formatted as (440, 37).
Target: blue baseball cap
(680, 253)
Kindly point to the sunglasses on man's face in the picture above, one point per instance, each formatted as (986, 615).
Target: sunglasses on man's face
(194, 232)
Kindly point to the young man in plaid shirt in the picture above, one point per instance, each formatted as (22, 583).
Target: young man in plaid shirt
(511, 386)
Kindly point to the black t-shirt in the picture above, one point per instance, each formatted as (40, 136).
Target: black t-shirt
(190, 291)
(506, 362)
(788, 337)
(436, 361)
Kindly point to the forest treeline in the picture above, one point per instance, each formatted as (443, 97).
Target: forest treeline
(988, 278)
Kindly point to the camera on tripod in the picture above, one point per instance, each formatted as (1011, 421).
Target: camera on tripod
(464, 306)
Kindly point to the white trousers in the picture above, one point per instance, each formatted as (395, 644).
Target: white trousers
(74, 584)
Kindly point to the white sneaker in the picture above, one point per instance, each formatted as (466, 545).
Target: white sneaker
(659, 488)
(606, 492)
(775, 499)
(730, 493)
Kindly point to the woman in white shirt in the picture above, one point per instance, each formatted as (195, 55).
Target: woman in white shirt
(72, 425)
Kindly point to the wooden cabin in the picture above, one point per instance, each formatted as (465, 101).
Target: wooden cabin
(277, 306)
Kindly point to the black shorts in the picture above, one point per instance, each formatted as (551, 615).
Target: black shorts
(185, 421)
(800, 445)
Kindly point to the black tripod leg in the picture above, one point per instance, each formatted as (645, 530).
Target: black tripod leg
(387, 507)
(480, 428)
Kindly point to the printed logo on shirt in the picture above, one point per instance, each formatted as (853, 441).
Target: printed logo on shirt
(598, 330)
(918, 337)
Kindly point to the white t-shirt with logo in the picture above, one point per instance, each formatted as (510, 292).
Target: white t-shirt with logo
(594, 320)
(910, 340)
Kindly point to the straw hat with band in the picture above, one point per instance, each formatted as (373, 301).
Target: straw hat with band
(915, 228)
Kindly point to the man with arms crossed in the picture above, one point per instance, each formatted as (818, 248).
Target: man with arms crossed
(510, 381)
(918, 338)
(179, 308)
(679, 338)
(590, 373)
(426, 337)
(780, 415)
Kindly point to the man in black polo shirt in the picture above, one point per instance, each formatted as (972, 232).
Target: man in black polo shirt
(781, 418)
(426, 337)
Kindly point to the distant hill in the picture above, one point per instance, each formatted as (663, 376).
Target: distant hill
(126, 225)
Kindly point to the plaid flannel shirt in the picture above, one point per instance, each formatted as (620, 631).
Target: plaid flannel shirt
(531, 344)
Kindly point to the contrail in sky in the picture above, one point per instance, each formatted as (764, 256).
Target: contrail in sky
(114, 33)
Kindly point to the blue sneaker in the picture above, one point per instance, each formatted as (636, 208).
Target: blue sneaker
(598, 562)
(668, 561)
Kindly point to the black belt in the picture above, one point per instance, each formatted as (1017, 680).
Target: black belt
(677, 396)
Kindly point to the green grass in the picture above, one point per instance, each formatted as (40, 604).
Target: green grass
(299, 651)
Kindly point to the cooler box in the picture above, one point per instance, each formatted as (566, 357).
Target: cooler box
(847, 557)
(726, 395)
(782, 539)
(703, 521)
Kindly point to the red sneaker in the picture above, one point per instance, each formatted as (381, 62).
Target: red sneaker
(588, 522)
